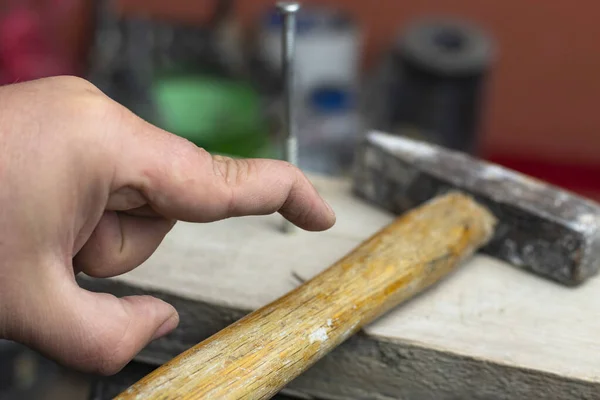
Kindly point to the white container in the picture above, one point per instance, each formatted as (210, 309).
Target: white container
(327, 50)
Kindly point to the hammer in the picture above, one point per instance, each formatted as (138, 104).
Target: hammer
(472, 205)
(541, 229)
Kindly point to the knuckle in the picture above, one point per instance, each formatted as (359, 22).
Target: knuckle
(183, 157)
(183, 153)
(201, 152)
(73, 84)
(95, 109)
(297, 214)
(293, 173)
(98, 105)
(232, 171)
(78, 82)
(188, 151)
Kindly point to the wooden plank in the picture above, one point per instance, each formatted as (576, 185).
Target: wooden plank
(257, 357)
(490, 331)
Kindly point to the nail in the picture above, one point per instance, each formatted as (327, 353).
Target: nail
(288, 10)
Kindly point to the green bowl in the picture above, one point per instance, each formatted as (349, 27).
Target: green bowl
(222, 116)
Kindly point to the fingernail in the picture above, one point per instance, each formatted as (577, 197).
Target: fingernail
(169, 325)
(330, 209)
(326, 204)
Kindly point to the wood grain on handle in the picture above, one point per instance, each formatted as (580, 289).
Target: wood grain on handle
(258, 355)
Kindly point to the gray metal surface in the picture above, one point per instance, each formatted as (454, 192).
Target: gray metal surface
(288, 42)
(542, 229)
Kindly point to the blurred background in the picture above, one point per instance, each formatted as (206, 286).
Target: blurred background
(514, 82)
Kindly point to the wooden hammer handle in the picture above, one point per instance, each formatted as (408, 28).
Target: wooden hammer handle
(258, 355)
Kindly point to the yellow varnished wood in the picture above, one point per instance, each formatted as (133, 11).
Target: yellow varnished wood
(258, 355)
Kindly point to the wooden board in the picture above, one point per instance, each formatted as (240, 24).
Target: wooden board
(490, 331)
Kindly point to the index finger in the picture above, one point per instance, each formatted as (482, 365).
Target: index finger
(182, 181)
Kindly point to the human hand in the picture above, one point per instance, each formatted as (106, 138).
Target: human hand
(89, 187)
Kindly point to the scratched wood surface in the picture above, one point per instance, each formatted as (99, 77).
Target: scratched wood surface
(258, 355)
(489, 331)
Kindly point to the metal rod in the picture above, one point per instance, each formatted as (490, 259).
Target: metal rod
(290, 147)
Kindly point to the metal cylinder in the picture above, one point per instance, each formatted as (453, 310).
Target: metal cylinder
(437, 91)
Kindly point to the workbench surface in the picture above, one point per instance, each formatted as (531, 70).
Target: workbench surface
(489, 331)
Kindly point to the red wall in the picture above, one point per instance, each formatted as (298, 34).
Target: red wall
(545, 88)
(543, 94)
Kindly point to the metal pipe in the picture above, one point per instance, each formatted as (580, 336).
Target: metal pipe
(290, 143)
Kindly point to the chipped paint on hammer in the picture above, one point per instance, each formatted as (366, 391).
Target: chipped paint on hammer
(394, 142)
(587, 222)
(318, 335)
(541, 228)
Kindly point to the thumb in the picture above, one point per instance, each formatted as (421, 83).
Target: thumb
(97, 332)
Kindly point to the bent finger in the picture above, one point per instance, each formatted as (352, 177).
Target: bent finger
(120, 243)
(182, 181)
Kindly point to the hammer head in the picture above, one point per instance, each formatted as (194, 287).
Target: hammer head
(541, 228)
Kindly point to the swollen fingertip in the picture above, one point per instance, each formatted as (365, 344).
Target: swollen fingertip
(330, 222)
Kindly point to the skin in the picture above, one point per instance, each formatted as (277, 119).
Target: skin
(86, 186)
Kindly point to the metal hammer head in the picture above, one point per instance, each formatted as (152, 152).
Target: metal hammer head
(541, 228)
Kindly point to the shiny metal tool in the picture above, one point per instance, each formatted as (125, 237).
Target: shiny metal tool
(290, 143)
